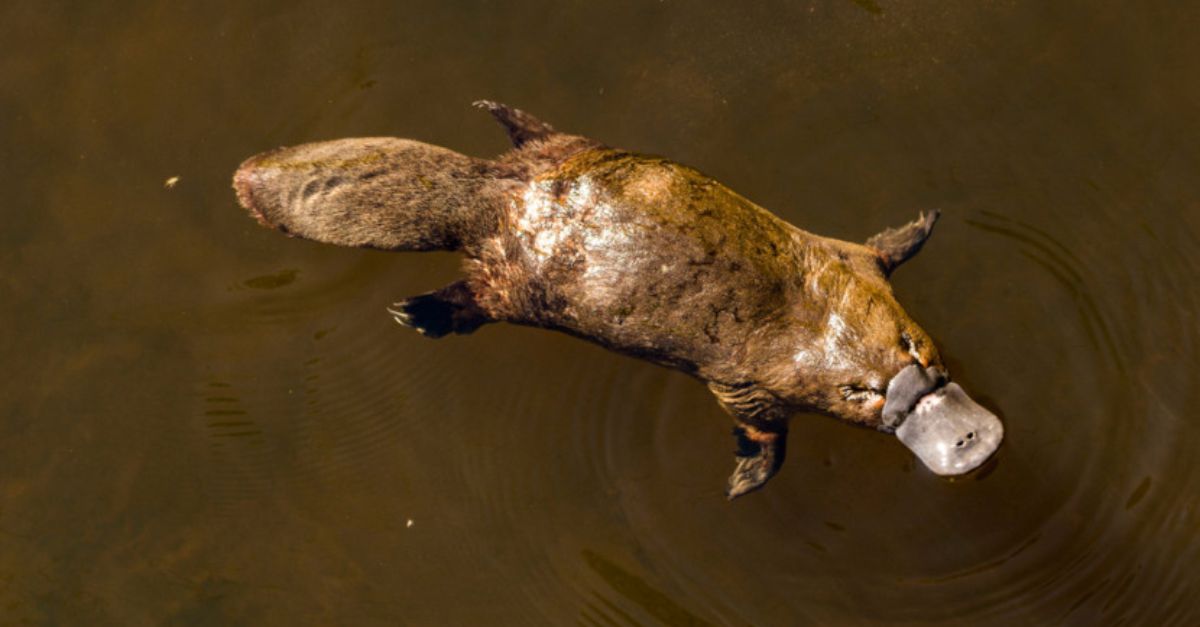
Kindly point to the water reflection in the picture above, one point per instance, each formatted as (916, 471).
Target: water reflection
(272, 281)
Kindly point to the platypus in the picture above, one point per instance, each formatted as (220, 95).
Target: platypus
(648, 258)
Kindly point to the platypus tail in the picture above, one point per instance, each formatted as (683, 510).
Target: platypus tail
(379, 192)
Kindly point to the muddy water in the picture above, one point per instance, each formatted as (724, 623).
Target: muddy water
(204, 423)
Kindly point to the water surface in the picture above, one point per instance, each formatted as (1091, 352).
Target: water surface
(205, 423)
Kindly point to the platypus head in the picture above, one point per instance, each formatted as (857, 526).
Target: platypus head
(852, 352)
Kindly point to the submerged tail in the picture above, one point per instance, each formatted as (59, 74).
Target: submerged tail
(379, 192)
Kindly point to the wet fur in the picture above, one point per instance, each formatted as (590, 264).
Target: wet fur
(636, 253)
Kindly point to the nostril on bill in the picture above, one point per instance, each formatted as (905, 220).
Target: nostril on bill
(949, 432)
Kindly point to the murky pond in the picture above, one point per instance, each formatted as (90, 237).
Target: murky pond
(205, 423)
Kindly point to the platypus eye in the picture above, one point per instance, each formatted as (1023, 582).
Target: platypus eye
(860, 394)
(911, 347)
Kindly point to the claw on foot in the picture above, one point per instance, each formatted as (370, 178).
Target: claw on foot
(399, 315)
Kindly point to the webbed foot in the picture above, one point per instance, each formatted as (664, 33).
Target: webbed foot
(521, 126)
(451, 309)
(759, 456)
(895, 246)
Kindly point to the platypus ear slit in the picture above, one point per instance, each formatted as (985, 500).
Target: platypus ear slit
(522, 127)
(895, 246)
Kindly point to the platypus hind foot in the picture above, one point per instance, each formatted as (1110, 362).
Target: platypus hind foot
(759, 456)
(521, 126)
(451, 309)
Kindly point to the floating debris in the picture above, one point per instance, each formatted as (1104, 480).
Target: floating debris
(408, 523)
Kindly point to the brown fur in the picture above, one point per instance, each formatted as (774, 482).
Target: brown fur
(636, 253)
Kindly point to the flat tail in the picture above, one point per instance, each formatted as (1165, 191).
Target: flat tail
(372, 192)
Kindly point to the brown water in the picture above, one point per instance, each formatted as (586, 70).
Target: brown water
(204, 423)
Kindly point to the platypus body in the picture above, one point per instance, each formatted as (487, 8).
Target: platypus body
(648, 258)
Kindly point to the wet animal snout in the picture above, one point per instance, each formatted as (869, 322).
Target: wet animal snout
(936, 420)
(967, 437)
(912, 385)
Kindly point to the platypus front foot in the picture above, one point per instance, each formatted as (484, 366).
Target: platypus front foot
(759, 456)
(451, 309)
